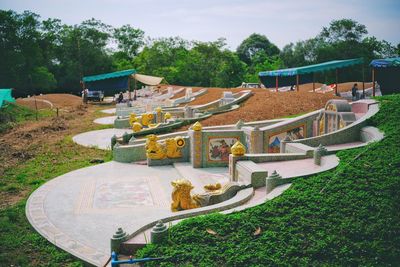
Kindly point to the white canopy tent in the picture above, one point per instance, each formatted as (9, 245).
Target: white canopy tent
(147, 80)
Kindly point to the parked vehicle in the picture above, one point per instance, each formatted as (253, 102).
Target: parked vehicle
(95, 95)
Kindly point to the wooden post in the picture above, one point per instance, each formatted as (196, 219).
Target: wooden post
(276, 83)
(297, 82)
(129, 88)
(373, 81)
(363, 77)
(134, 96)
(313, 81)
(337, 84)
(34, 97)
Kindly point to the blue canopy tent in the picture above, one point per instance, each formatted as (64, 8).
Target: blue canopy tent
(288, 76)
(114, 81)
(117, 81)
(387, 72)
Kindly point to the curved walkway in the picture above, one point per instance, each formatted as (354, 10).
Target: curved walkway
(100, 138)
(109, 111)
(109, 120)
(81, 210)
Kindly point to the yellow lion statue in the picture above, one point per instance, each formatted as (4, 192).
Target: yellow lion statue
(147, 118)
(154, 150)
(173, 147)
(181, 198)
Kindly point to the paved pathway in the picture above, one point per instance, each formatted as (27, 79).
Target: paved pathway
(109, 111)
(100, 138)
(81, 210)
(106, 120)
(300, 167)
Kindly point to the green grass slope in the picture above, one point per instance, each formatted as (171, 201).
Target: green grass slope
(345, 217)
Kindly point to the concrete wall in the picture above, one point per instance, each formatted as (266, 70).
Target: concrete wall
(348, 134)
(281, 127)
(129, 153)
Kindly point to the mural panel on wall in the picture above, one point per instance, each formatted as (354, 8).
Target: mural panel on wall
(274, 141)
(220, 148)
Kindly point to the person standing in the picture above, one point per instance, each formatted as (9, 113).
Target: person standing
(120, 97)
(354, 92)
(85, 93)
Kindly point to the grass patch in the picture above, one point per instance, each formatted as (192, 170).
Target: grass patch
(344, 217)
(20, 244)
(12, 114)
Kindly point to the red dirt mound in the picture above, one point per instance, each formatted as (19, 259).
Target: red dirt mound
(57, 100)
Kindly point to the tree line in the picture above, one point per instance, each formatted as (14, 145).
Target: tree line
(43, 56)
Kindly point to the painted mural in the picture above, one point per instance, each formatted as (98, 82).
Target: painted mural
(274, 141)
(220, 148)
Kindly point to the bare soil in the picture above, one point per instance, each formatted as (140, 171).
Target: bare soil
(64, 101)
(27, 139)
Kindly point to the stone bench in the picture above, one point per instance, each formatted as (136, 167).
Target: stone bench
(248, 171)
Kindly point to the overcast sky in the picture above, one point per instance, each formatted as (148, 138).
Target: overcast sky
(282, 21)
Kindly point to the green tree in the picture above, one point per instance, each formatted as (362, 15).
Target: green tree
(161, 57)
(84, 52)
(253, 45)
(343, 30)
(129, 40)
(42, 80)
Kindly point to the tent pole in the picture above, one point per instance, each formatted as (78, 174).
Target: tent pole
(373, 81)
(129, 88)
(337, 84)
(134, 96)
(297, 82)
(313, 81)
(276, 83)
(363, 77)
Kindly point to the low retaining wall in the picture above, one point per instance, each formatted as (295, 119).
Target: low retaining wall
(136, 152)
(348, 134)
(240, 198)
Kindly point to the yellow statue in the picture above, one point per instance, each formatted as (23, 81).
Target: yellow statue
(147, 118)
(154, 150)
(136, 127)
(181, 198)
(215, 193)
(173, 147)
(238, 149)
(132, 118)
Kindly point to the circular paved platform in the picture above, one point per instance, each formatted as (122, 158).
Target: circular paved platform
(106, 120)
(100, 138)
(81, 210)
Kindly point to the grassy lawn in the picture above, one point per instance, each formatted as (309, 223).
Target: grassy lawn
(53, 155)
(345, 217)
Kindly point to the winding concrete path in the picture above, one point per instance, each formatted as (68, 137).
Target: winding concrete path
(109, 120)
(100, 138)
(109, 111)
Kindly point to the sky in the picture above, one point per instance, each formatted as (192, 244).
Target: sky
(282, 21)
